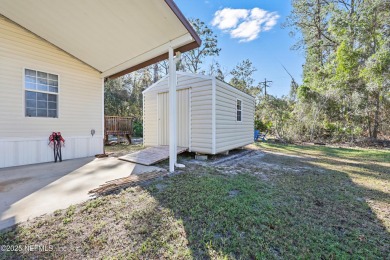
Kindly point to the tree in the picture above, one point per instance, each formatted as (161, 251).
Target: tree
(123, 96)
(275, 113)
(242, 75)
(115, 98)
(377, 74)
(242, 79)
(216, 70)
(345, 73)
(137, 82)
(193, 59)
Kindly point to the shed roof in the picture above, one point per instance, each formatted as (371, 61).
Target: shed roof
(114, 37)
(195, 76)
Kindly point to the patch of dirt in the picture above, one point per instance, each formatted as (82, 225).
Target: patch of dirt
(230, 170)
(262, 176)
(249, 158)
(267, 163)
(257, 162)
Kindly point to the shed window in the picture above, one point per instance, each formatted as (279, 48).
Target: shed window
(239, 110)
(41, 94)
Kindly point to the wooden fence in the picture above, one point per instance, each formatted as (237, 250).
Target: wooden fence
(119, 126)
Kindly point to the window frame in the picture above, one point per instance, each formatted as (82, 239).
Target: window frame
(24, 89)
(237, 99)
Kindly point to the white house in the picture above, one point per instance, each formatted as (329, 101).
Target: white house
(212, 116)
(54, 58)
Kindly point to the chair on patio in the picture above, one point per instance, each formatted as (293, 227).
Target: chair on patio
(256, 135)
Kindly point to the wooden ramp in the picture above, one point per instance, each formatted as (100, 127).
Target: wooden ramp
(151, 155)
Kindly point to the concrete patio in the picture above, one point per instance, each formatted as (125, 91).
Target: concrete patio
(33, 190)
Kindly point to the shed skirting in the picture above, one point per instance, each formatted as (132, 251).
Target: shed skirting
(15, 152)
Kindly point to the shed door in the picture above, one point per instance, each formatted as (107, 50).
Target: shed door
(183, 118)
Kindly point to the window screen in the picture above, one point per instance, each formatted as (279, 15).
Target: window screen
(239, 110)
(41, 94)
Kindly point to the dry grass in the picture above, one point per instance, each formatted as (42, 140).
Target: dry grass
(367, 169)
(118, 150)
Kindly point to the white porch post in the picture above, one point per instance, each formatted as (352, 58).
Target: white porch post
(172, 112)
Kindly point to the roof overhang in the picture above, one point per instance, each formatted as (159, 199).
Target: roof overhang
(115, 37)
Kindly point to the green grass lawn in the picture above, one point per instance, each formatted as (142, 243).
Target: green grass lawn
(284, 201)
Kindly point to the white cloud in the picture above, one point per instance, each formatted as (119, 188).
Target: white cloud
(228, 18)
(244, 24)
(246, 31)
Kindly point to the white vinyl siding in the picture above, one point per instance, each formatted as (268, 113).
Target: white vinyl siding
(200, 134)
(182, 118)
(230, 132)
(79, 104)
(163, 118)
(201, 106)
(150, 117)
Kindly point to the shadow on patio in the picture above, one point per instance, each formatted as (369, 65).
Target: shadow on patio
(32, 190)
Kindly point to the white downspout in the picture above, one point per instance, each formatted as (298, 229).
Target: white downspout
(172, 112)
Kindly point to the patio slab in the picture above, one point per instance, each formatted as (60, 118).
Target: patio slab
(33, 190)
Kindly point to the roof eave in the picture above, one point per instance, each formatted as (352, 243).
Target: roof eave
(154, 60)
(184, 21)
(187, 47)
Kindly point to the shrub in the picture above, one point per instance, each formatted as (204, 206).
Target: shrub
(262, 126)
(138, 130)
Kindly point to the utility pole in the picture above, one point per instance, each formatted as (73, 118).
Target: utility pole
(265, 85)
(293, 82)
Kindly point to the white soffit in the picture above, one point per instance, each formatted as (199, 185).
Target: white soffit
(109, 35)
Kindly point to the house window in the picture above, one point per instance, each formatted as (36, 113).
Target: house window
(41, 93)
(239, 110)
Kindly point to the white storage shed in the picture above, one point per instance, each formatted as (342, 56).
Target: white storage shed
(212, 116)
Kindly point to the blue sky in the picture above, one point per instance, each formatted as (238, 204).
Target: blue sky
(251, 30)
